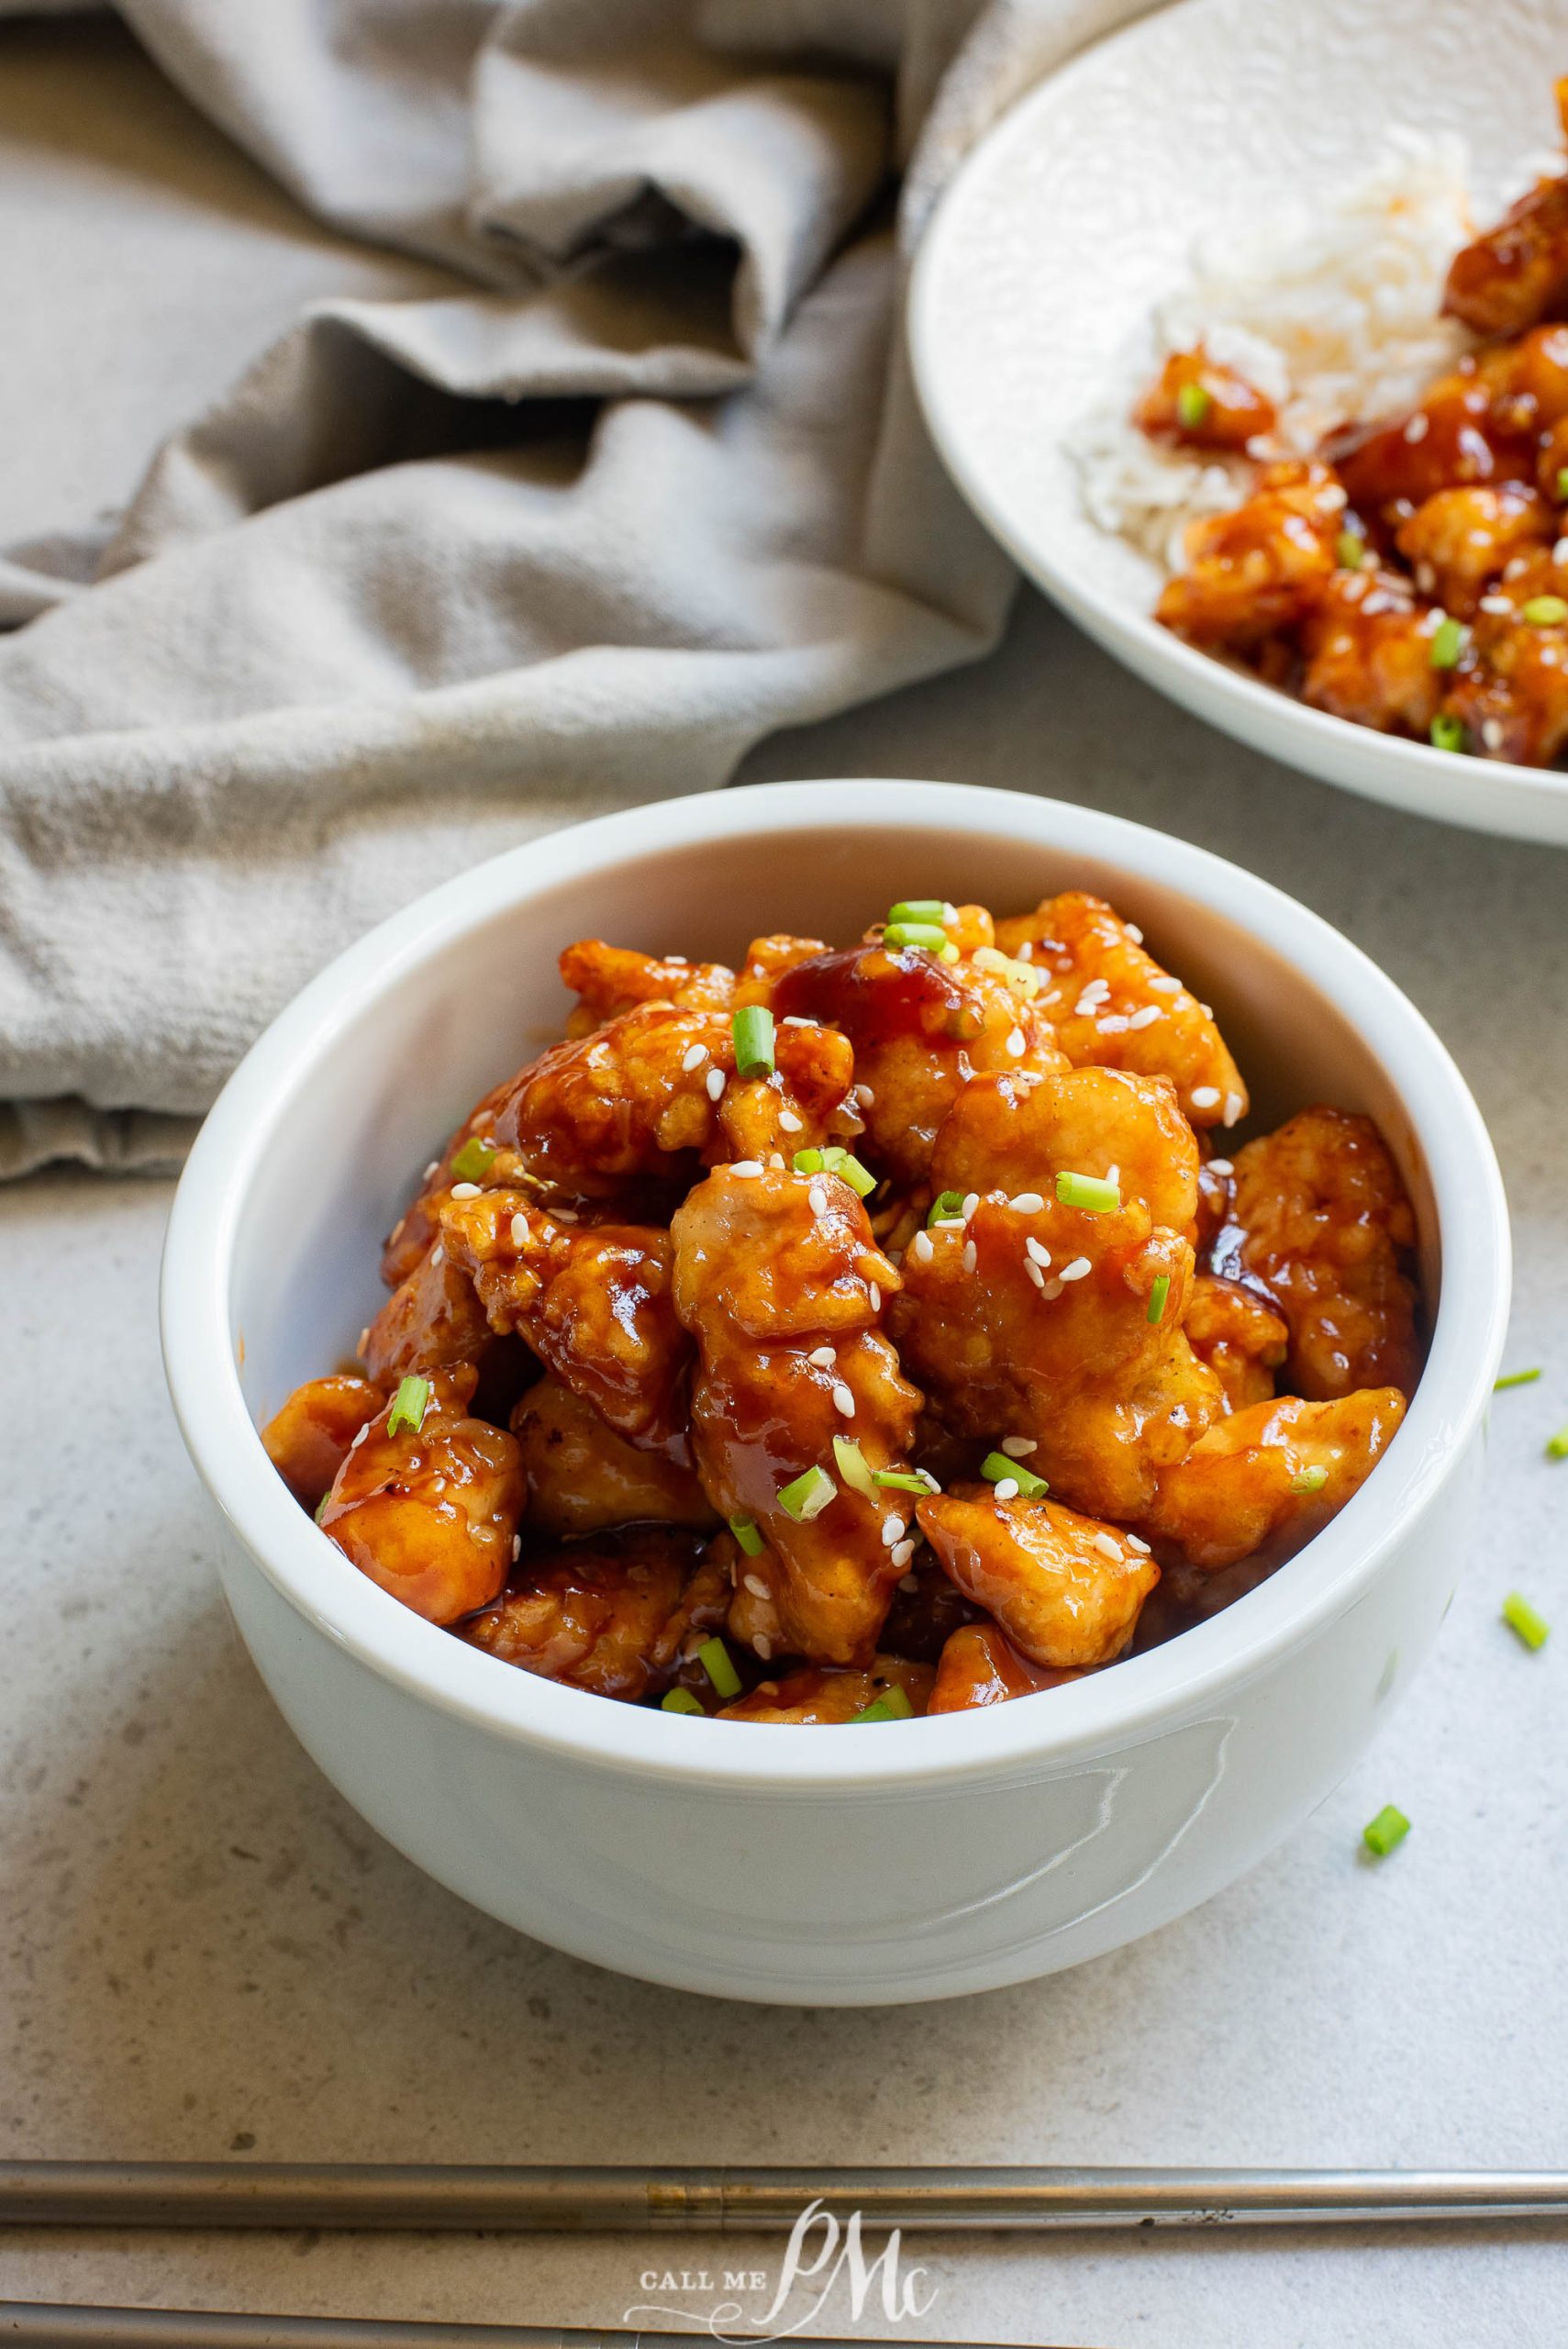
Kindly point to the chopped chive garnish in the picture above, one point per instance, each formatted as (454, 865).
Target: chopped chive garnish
(745, 1532)
(808, 1495)
(946, 1207)
(409, 1405)
(1192, 405)
(928, 934)
(808, 1162)
(681, 1700)
(1562, 483)
(1309, 1480)
(1447, 732)
(861, 1179)
(892, 1705)
(1448, 641)
(321, 1504)
(905, 1480)
(1520, 1616)
(997, 1465)
(921, 910)
(474, 1159)
(853, 1466)
(1349, 550)
(1544, 611)
(752, 1029)
(719, 1666)
(1157, 1297)
(948, 953)
(1090, 1192)
(1557, 1445)
(1514, 1378)
(836, 1159)
(1382, 1833)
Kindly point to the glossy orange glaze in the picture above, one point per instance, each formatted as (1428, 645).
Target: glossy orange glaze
(979, 1666)
(308, 1439)
(1203, 404)
(816, 1695)
(613, 1615)
(1066, 1588)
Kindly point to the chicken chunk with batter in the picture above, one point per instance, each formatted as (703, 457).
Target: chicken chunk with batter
(1240, 1338)
(822, 1694)
(432, 1321)
(979, 1666)
(614, 1616)
(607, 980)
(1260, 567)
(583, 1476)
(308, 1439)
(1262, 1482)
(1065, 1589)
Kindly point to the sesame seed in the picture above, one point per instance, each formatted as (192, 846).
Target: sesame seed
(971, 1201)
(747, 1166)
(438, 1254)
(465, 1190)
(824, 1357)
(1050, 1288)
(920, 1248)
(908, 1582)
(1136, 1541)
(796, 1019)
(1034, 1273)
(433, 1169)
(693, 1057)
(902, 1555)
(364, 1339)
(684, 960)
(1133, 932)
(1015, 1044)
(817, 1199)
(715, 1083)
(1033, 1248)
(1026, 1202)
(564, 1215)
(891, 1532)
(1026, 952)
(360, 1436)
(756, 1586)
(1220, 1166)
(1206, 1010)
(1501, 603)
(1205, 1097)
(1006, 1489)
(1491, 733)
(1559, 551)
(790, 1123)
(1147, 1016)
(844, 1401)
(1108, 1545)
(1076, 1269)
(775, 1163)
(519, 1230)
(1233, 1105)
(970, 1258)
(875, 1297)
(1417, 427)
(1018, 1447)
(864, 1095)
(1164, 984)
(763, 1646)
(1088, 1003)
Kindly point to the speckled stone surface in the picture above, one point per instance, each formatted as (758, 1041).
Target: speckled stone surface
(202, 1953)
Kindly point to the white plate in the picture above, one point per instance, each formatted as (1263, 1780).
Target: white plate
(1079, 211)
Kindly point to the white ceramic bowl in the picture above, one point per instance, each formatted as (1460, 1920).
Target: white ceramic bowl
(822, 1866)
(1079, 212)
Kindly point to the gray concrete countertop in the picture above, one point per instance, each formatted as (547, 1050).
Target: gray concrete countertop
(204, 1953)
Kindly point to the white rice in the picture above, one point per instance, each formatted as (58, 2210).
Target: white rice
(1330, 311)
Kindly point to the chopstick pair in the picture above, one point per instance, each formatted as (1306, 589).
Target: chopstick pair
(425, 2197)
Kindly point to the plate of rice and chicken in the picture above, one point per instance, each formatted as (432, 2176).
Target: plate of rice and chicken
(1247, 334)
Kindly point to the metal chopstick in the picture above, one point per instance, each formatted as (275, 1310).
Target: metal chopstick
(420, 2197)
(49, 2324)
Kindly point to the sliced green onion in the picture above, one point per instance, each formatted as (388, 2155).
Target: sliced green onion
(321, 1504)
(1157, 1297)
(1349, 550)
(409, 1405)
(836, 1159)
(1520, 1616)
(1557, 1445)
(745, 1532)
(1090, 1192)
(1382, 1833)
(681, 1700)
(861, 1179)
(808, 1162)
(752, 1029)
(946, 1207)
(920, 909)
(997, 1465)
(853, 1466)
(1544, 611)
(905, 1480)
(1448, 639)
(1192, 405)
(808, 1495)
(1447, 732)
(1514, 1378)
(1562, 483)
(927, 934)
(892, 1705)
(719, 1666)
(1309, 1480)
(948, 953)
(473, 1161)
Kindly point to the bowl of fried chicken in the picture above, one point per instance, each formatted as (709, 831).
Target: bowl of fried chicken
(840, 1393)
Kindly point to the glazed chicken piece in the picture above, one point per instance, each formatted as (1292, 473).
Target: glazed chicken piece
(1260, 1484)
(1113, 1006)
(593, 1301)
(1202, 405)
(432, 1321)
(1368, 651)
(608, 979)
(781, 1284)
(979, 1666)
(429, 1512)
(1064, 1588)
(767, 960)
(1040, 1321)
(1511, 696)
(1517, 271)
(1260, 568)
(1471, 427)
(615, 1615)
(823, 1695)
(1323, 1221)
(1015, 1135)
(1243, 1340)
(583, 1476)
(308, 1439)
(1458, 541)
(921, 1028)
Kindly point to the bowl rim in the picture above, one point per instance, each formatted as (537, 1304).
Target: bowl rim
(1105, 1711)
(1399, 761)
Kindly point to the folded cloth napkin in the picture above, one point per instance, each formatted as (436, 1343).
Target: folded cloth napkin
(635, 479)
